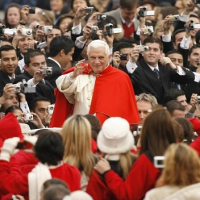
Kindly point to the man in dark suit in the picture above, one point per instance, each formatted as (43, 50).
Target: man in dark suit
(9, 62)
(34, 61)
(154, 73)
(60, 54)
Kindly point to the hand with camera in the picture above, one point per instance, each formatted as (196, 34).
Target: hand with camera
(93, 18)
(8, 148)
(140, 18)
(102, 166)
(134, 55)
(86, 31)
(165, 61)
(8, 90)
(193, 102)
(143, 35)
(31, 45)
(24, 12)
(80, 13)
(116, 59)
(46, 119)
(37, 121)
(167, 24)
(38, 76)
(40, 33)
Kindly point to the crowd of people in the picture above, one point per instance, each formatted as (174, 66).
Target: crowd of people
(100, 100)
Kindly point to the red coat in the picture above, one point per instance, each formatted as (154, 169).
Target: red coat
(141, 179)
(16, 183)
(196, 145)
(113, 96)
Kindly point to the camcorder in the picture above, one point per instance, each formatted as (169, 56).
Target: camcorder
(123, 56)
(10, 32)
(31, 10)
(147, 30)
(50, 109)
(143, 48)
(26, 32)
(101, 17)
(46, 70)
(192, 25)
(24, 88)
(159, 161)
(110, 30)
(143, 12)
(89, 10)
(174, 18)
(47, 29)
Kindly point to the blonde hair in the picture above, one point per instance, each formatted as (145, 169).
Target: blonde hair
(182, 166)
(76, 133)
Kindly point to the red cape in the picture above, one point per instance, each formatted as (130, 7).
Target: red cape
(113, 96)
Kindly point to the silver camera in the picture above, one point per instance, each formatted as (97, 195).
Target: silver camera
(47, 29)
(10, 32)
(147, 30)
(143, 12)
(28, 117)
(94, 29)
(40, 45)
(143, 48)
(159, 161)
(89, 10)
(26, 31)
(24, 88)
(50, 109)
(46, 70)
(174, 18)
(17, 87)
(101, 17)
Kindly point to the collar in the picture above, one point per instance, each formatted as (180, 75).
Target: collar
(10, 77)
(152, 68)
(124, 22)
(55, 61)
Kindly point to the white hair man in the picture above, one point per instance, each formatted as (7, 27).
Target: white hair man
(95, 88)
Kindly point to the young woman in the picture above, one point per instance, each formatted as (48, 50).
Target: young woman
(76, 133)
(157, 134)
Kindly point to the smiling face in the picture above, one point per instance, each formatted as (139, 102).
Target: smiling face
(98, 59)
(153, 55)
(9, 62)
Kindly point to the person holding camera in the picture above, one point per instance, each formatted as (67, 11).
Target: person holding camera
(154, 73)
(35, 71)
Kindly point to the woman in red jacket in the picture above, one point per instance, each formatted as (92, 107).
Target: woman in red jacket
(49, 150)
(157, 134)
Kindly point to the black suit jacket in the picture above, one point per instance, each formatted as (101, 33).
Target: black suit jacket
(4, 79)
(145, 80)
(56, 72)
(42, 89)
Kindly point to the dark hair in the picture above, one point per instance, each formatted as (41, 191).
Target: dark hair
(174, 105)
(153, 40)
(157, 132)
(5, 21)
(54, 181)
(192, 48)
(128, 4)
(122, 45)
(173, 51)
(197, 37)
(55, 192)
(31, 54)
(151, 2)
(7, 48)
(11, 109)
(188, 129)
(129, 40)
(95, 125)
(49, 147)
(177, 32)
(172, 94)
(59, 43)
(35, 100)
(87, 2)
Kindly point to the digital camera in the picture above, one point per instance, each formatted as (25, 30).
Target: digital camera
(24, 88)
(143, 48)
(31, 10)
(94, 29)
(89, 10)
(143, 12)
(10, 32)
(159, 161)
(109, 29)
(47, 29)
(173, 18)
(46, 70)
(26, 32)
(101, 17)
(50, 109)
(147, 30)
(123, 56)
(28, 117)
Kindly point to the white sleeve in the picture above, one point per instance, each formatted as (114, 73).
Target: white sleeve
(196, 77)
(180, 71)
(166, 38)
(80, 44)
(31, 83)
(76, 30)
(25, 108)
(185, 43)
(131, 67)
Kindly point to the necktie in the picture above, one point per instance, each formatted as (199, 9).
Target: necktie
(157, 73)
(12, 80)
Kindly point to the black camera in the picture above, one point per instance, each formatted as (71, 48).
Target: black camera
(109, 29)
(142, 12)
(123, 56)
(101, 17)
(31, 10)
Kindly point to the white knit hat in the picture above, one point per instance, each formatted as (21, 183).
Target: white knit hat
(115, 136)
